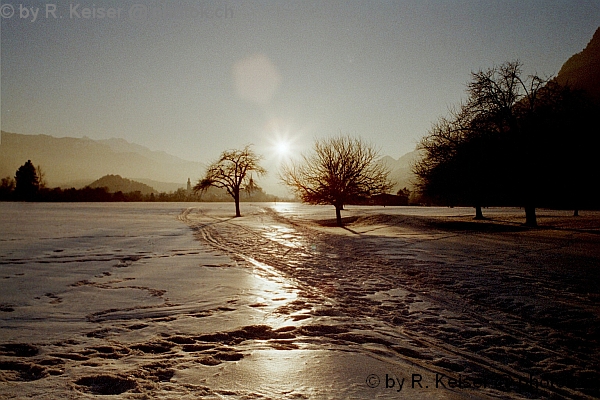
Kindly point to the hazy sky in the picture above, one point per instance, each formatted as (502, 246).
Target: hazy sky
(196, 77)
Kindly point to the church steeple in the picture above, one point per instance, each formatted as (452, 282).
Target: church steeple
(189, 186)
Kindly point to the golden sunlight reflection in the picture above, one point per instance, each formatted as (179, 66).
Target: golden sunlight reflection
(285, 208)
(282, 367)
(283, 235)
(287, 236)
(272, 290)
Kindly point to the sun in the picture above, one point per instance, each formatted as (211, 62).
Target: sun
(282, 140)
(282, 147)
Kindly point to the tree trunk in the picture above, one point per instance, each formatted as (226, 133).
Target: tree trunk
(338, 215)
(530, 218)
(236, 198)
(478, 212)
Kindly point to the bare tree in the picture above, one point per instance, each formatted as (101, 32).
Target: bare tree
(505, 101)
(338, 170)
(41, 177)
(444, 172)
(232, 172)
(462, 152)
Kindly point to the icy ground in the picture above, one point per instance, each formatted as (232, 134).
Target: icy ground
(183, 301)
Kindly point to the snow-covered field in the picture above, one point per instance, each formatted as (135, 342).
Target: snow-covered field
(182, 301)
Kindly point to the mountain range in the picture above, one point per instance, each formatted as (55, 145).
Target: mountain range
(582, 70)
(401, 170)
(77, 162)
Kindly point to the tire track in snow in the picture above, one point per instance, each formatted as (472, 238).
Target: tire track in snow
(445, 330)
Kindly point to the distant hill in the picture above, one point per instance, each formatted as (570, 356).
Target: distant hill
(165, 187)
(75, 162)
(582, 70)
(115, 183)
(401, 170)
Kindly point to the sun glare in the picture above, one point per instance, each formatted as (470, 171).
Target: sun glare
(282, 147)
(282, 140)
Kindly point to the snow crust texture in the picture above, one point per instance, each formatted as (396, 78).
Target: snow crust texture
(173, 301)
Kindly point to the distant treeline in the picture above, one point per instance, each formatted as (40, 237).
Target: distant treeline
(88, 194)
(102, 194)
(29, 185)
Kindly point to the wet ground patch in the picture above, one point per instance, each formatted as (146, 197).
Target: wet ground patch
(106, 384)
(18, 350)
(21, 371)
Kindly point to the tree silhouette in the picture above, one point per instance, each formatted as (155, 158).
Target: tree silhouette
(27, 182)
(560, 131)
(451, 169)
(339, 170)
(463, 153)
(7, 186)
(508, 101)
(232, 171)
